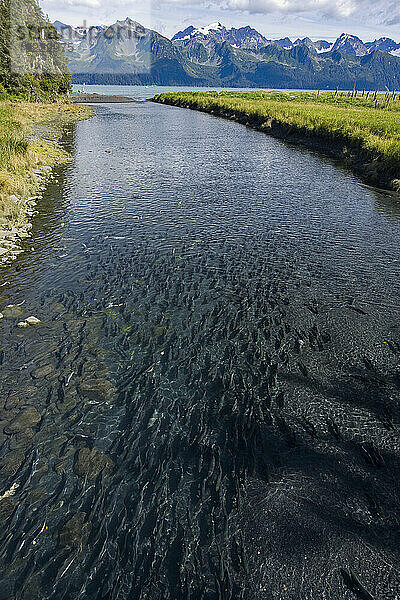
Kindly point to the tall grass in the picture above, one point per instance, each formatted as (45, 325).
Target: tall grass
(10, 146)
(371, 124)
(11, 143)
(20, 158)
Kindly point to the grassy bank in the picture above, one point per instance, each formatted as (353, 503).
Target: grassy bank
(363, 130)
(28, 149)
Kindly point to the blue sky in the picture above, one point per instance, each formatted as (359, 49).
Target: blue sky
(368, 19)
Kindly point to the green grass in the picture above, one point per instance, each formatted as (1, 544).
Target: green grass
(20, 158)
(11, 144)
(373, 126)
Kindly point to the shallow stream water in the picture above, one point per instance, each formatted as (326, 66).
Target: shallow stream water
(210, 408)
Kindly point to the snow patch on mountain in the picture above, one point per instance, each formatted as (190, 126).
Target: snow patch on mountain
(213, 27)
(192, 32)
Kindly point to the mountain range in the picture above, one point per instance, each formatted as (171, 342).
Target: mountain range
(129, 53)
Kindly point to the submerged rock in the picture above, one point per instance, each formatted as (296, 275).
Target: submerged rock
(58, 308)
(12, 311)
(100, 390)
(7, 589)
(7, 507)
(75, 532)
(159, 331)
(27, 393)
(22, 439)
(11, 463)
(11, 402)
(89, 463)
(26, 419)
(69, 402)
(41, 372)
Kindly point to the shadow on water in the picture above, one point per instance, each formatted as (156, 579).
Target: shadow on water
(53, 208)
(210, 409)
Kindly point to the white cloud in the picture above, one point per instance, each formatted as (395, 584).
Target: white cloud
(73, 3)
(274, 18)
(380, 12)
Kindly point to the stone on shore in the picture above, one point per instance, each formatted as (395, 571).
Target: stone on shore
(33, 321)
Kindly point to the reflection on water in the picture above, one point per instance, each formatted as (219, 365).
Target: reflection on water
(210, 407)
(388, 203)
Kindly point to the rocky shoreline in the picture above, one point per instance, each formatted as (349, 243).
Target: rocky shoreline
(11, 239)
(100, 99)
(15, 231)
(371, 167)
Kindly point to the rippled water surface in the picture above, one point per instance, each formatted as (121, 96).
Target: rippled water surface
(210, 408)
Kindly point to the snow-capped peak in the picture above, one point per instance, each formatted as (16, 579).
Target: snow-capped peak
(192, 32)
(206, 30)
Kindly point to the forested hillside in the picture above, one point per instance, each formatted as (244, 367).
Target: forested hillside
(32, 61)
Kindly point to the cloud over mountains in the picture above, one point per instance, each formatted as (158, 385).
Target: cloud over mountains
(298, 17)
(382, 12)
